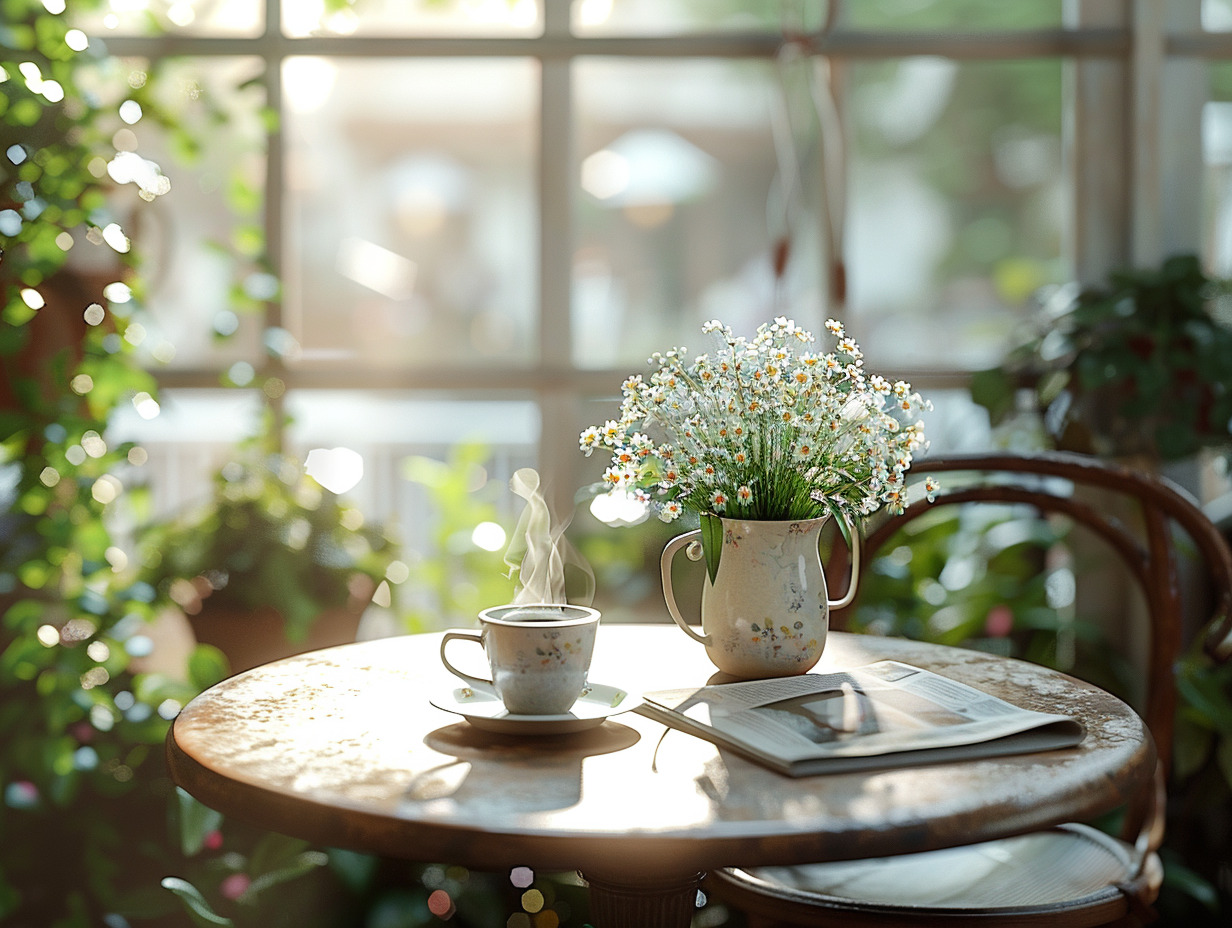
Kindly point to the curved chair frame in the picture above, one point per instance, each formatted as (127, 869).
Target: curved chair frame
(1049, 483)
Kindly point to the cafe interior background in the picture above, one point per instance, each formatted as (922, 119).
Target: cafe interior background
(426, 240)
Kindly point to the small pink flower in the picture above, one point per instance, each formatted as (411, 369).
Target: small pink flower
(999, 622)
(83, 732)
(235, 886)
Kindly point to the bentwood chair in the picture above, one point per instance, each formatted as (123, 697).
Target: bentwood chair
(1073, 875)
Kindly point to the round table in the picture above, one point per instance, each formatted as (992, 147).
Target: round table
(342, 747)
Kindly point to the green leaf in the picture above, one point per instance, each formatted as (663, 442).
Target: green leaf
(712, 542)
(1191, 745)
(837, 512)
(297, 867)
(1184, 880)
(197, 821)
(273, 852)
(994, 390)
(354, 869)
(9, 898)
(206, 666)
(198, 909)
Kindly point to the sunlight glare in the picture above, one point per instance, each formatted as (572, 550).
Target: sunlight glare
(147, 407)
(336, 469)
(181, 14)
(379, 269)
(619, 508)
(106, 489)
(489, 536)
(594, 12)
(127, 167)
(114, 236)
(308, 82)
(605, 174)
(118, 292)
(130, 112)
(304, 17)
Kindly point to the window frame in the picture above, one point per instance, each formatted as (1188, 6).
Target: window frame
(1135, 74)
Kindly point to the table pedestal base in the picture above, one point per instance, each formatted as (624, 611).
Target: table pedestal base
(645, 903)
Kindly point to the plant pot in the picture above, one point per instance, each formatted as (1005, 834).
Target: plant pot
(250, 638)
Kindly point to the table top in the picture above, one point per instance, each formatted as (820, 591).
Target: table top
(343, 748)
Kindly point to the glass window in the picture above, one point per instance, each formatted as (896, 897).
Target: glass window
(224, 18)
(410, 228)
(1217, 160)
(667, 17)
(681, 203)
(963, 15)
(413, 17)
(202, 243)
(956, 205)
(1217, 15)
(390, 430)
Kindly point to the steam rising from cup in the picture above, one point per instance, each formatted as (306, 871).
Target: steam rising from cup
(543, 559)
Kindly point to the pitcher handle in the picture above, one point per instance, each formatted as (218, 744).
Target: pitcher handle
(856, 545)
(665, 564)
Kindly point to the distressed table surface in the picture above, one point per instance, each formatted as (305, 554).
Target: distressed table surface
(342, 747)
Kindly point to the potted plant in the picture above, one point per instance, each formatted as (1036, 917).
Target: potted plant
(1136, 367)
(272, 564)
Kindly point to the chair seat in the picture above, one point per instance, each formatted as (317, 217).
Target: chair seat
(1057, 867)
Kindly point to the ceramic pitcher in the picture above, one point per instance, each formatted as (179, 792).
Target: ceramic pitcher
(767, 610)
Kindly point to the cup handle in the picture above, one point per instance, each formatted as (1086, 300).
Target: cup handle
(853, 533)
(665, 565)
(463, 636)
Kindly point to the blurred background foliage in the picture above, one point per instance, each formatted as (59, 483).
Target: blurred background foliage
(94, 833)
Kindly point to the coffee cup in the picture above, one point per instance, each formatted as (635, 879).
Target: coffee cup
(539, 655)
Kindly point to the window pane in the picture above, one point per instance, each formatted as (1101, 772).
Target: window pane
(387, 429)
(414, 17)
(680, 207)
(956, 205)
(1217, 15)
(666, 17)
(963, 15)
(1217, 160)
(204, 236)
(194, 433)
(187, 17)
(410, 229)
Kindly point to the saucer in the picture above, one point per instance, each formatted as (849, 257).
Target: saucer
(484, 709)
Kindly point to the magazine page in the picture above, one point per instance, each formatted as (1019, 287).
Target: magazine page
(815, 722)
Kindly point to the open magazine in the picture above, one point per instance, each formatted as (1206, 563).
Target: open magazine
(886, 714)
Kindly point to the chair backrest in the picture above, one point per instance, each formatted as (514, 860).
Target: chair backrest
(1136, 514)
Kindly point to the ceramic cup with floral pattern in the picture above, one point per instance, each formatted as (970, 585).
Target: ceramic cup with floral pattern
(539, 655)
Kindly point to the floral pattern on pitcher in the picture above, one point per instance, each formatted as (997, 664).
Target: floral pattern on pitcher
(776, 643)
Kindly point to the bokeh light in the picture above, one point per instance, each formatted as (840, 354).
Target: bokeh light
(489, 536)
